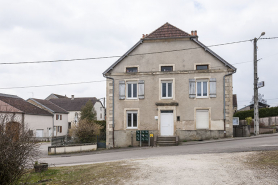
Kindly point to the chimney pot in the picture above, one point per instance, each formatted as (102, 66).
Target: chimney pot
(196, 33)
(72, 97)
(143, 36)
(192, 33)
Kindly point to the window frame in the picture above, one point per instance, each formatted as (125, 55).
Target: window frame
(132, 88)
(202, 65)
(132, 112)
(131, 67)
(166, 66)
(167, 89)
(202, 87)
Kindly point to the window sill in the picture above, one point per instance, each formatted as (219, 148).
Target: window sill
(163, 98)
(132, 128)
(202, 97)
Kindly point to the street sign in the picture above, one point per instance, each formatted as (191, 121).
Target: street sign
(235, 120)
(260, 84)
(151, 135)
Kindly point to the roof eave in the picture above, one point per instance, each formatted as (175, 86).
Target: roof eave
(162, 38)
(122, 57)
(214, 54)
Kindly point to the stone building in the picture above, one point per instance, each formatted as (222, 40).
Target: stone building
(172, 85)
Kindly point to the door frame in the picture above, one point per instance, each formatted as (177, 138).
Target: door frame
(173, 108)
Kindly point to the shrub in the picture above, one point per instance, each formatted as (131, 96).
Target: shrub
(17, 150)
(265, 112)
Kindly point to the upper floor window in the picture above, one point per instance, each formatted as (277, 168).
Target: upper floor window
(132, 90)
(132, 69)
(60, 117)
(166, 89)
(166, 68)
(202, 88)
(201, 67)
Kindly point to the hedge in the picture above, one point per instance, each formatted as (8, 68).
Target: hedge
(264, 112)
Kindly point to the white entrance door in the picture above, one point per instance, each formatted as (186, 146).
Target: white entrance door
(39, 133)
(167, 123)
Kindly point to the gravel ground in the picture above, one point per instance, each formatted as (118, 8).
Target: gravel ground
(223, 168)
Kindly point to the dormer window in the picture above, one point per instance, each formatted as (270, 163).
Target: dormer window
(166, 68)
(202, 67)
(132, 69)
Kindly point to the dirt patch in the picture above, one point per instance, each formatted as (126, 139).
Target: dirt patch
(201, 169)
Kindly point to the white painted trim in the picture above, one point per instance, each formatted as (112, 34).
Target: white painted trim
(173, 88)
(125, 118)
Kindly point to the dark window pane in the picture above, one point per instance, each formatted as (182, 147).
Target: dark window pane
(163, 89)
(201, 67)
(131, 69)
(199, 88)
(169, 89)
(134, 120)
(205, 91)
(129, 90)
(166, 68)
(129, 119)
(134, 90)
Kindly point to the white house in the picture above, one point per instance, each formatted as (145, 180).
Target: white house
(60, 116)
(16, 109)
(74, 105)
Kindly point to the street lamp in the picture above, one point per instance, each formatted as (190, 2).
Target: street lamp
(256, 106)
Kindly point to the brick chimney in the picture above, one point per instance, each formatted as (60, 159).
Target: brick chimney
(143, 36)
(192, 33)
(195, 33)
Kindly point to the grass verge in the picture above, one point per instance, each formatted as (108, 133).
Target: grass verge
(264, 159)
(101, 173)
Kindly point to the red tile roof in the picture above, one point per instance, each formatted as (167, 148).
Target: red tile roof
(166, 31)
(23, 105)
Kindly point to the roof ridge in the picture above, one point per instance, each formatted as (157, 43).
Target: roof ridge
(57, 106)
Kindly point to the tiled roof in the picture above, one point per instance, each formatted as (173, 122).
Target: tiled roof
(60, 96)
(234, 100)
(72, 104)
(167, 30)
(23, 105)
(51, 106)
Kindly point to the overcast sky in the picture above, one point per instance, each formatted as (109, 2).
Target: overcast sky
(35, 30)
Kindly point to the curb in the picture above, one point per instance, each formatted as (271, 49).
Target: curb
(224, 140)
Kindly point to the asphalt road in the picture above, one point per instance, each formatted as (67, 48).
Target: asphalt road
(244, 145)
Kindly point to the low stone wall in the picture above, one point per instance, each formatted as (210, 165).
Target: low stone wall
(192, 135)
(265, 122)
(71, 149)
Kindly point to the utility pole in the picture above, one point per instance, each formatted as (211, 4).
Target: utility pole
(256, 103)
(256, 111)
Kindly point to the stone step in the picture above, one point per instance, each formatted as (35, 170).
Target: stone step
(169, 138)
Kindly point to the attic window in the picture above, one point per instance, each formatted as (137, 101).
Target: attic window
(201, 67)
(132, 69)
(166, 68)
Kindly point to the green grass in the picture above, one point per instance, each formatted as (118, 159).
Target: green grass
(102, 173)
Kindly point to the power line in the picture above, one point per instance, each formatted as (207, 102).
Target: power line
(106, 57)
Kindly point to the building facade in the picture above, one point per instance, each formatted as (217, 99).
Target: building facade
(172, 85)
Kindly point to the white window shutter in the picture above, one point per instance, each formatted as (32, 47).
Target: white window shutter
(121, 90)
(141, 89)
(192, 88)
(212, 87)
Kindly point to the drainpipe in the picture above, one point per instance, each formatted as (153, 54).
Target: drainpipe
(113, 125)
(224, 101)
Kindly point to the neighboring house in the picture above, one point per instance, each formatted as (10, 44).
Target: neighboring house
(37, 120)
(53, 96)
(172, 85)
(251, 106)
(234, 103)
(74, 106)
(60, 116)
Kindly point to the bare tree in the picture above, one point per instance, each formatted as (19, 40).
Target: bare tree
(260, 98)
(17, 150)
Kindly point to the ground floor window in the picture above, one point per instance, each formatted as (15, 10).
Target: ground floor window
(202, 119)
(132, 117)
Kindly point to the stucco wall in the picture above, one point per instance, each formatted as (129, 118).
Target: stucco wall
(100, 111)
(35, 122)
(63, 123)
(184, 62)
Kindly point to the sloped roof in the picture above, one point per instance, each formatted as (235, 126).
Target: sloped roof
(23, 105)
(51, 106)
(166, 31)
(73, 104)
(169, 31)
(60, 96)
